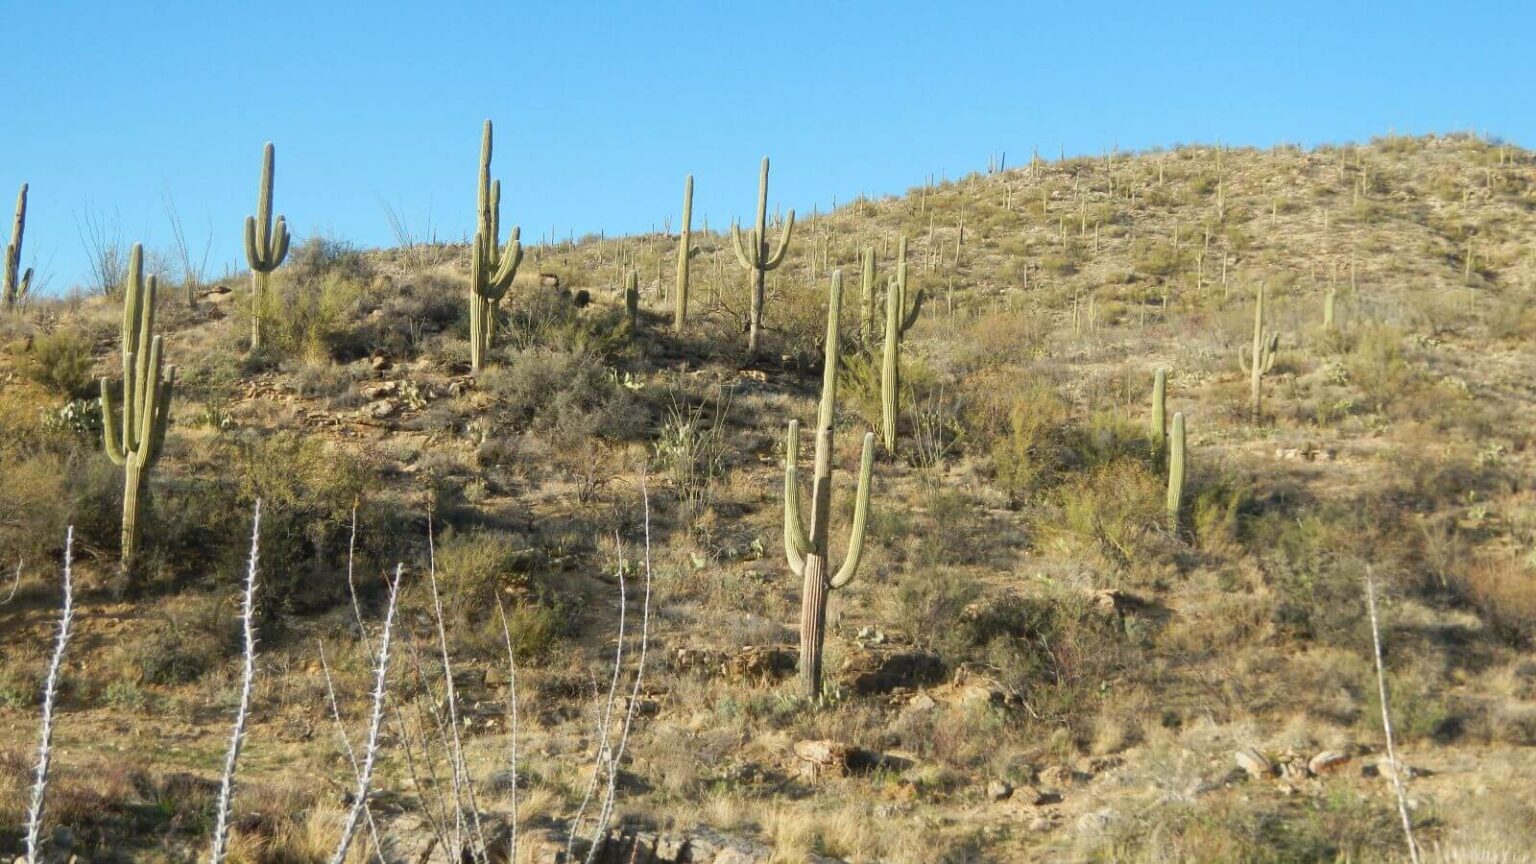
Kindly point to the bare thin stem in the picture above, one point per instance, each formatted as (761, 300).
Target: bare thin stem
(50, 695)
(376, 721)
(506, 633)
(1386, 719)
(346, 740)
(634, 696)
(605, 723)
(16, 582)
(237, 737)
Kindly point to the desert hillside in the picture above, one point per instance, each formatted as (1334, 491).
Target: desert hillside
(1036, 657)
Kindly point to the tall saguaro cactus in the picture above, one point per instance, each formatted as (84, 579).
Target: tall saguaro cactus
(898, 320)
(492, 267)
(133, 441)
(1176, 470)
(1159, 411)
(16, 284)
(755, 255)
(867, 311)
(808, 552)
(266, 245)
(685, 242)
(1261, 358)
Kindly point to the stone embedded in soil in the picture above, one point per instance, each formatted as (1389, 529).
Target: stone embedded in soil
(1254, 763)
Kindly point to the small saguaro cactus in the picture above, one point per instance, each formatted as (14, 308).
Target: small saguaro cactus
(1159, 411)
(1176, 469)
(867, 311)
(134, 440)
(898, 320)
(757, 258)
(1328, 304)
(632, 301)
(492, 267)
(1260, 359)
(685, 242)
(808, 552)
(266, 245)
(17, 283)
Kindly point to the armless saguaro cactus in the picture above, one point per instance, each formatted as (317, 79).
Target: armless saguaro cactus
(632, 301)
(808, 551)
(685, 242)
(757, 258)
(897, 323)
(867, 311)
(1265, 346)
(266, 245)
(1159, 411)
(1176, 469)
(492, 267)
(133, 441)
(16, 284)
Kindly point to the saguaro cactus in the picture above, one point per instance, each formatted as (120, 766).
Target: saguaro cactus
(491, 267)
(808, 551)
(1261, 358)
(133, 441)
(867, 311)
(757, 258)
(1159, 411)
(16, 284)
(1328, 304)
(685, 242)
(632, 301)
(266, 245)
(1176, 471)
(897, 322)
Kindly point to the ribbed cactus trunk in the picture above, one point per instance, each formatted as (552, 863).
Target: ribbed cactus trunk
(1265, 347)
(808, 552)
(632, 301)
(134, 440)
(1176, 469)
(684, 246)
(754, 254)
(16, 284)
(1159, 411)
(867, 312)
(266, 245)
(897, 322)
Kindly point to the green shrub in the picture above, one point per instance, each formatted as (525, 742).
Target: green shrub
(59, 361)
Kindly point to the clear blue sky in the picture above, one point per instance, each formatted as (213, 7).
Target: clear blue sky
(107, 108)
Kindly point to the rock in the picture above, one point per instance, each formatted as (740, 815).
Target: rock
(495, 676)
(1041, 824)
(754, 663)
(871, 670)
(1254, 763)
(823, 757)
(382, 391)
(1327, 762)
(998, 790)
(382, 409)
(921, 701)
(380, 362)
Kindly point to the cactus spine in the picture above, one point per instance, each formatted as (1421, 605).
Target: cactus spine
(17, 283)
(756, 257)
(1176, 469)
(680, 304)
(133, 442)
(1261, 358)
(808, 551)
(491, 268)
(867, 312)
(266, 245)
(1159, 411)
(897, 322)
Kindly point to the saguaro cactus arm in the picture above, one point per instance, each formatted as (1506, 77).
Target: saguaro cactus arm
(16, 285)
(850, 566)
(797, 541)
